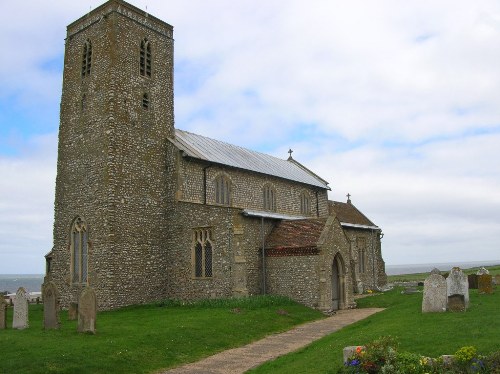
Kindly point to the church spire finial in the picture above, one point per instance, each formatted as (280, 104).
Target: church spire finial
(348, 198)
(290, 151)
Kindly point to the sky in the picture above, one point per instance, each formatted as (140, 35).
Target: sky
(394, 102)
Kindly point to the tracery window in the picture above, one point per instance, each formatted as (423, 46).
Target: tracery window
(79, 251)
(145, 58)
(222, 190)
(87, 58)
(305, 203)
(202, 253)
(269, 197)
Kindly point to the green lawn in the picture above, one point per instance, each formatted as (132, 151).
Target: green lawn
(144, 339)
(431, 334)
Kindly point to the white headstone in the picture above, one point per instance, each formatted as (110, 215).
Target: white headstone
(435, 297)
(20, 318)
(458, 284)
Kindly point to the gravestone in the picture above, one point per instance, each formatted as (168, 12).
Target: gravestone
(456, 303)
(3, 313)
(351, 351)
(20, 318)
(436, 271)
(87, 310)
(482, 270)
(485, 284)
(73, 312)
(458, 284)
(496, 279)
(472, 278)
(50, 306)
(435, 297)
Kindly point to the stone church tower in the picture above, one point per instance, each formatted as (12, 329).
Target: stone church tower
(112, 188)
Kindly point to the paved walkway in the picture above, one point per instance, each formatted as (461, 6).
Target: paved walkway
(239, 360)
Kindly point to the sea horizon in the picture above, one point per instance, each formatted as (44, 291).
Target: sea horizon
(33, 282)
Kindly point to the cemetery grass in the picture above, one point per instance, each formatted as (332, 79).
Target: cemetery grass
(148, 338)
(429, 334)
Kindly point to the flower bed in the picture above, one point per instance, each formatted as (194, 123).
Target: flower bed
(382, 356)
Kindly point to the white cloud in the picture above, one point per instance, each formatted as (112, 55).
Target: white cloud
(395, 102)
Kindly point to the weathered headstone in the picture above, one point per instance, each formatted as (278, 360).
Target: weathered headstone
(456, 303)
(496, 279)
(73, 312)
(436, 271)
(50, 306)
(472, 278)
(87, 310)
(482, 270)
(435, 297)
(20, 318)
(3, 313)
(457, 284)
(485, 284)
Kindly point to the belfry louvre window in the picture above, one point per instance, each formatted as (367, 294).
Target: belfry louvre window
(222, 190)
(305, 203)
(145, 101)
(79, 251)
(87, 58)
(145, 58)
(269, 196)
(202, 253)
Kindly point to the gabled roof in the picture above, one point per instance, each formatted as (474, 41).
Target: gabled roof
(216, 151)
(350, 216)
(304, 233)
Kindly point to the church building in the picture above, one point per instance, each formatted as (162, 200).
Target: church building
(146, 212)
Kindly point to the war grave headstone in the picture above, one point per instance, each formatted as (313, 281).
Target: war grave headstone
(435, 297)
(73, 312)
(87, 310)
(3, 313)
(20, 317)
(457, 289)
(50, 298)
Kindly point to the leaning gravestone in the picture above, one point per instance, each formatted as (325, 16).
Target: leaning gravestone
(20, 318)
(87, 310)
(50, 306)
(3, 313)
(457, 284)
(485, 284)
(435, 297)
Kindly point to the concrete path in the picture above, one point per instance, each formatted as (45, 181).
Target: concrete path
(239, 360)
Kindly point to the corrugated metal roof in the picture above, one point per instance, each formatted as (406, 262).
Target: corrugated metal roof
(219, 152)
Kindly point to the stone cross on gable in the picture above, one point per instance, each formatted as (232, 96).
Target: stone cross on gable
(348, 197)
(290, 151)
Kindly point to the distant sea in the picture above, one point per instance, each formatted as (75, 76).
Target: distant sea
(443, 266)
(33, 282)
(30, 282)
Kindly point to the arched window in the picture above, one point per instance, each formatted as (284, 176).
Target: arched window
(361, 244)
(269, 197)
(305, 203)
(145, 101)
(202, 253)
(79, 251)
(222, 190)
(145, 58)
(86, 58)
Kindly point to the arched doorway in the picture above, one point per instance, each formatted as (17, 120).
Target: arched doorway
(338, 284)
